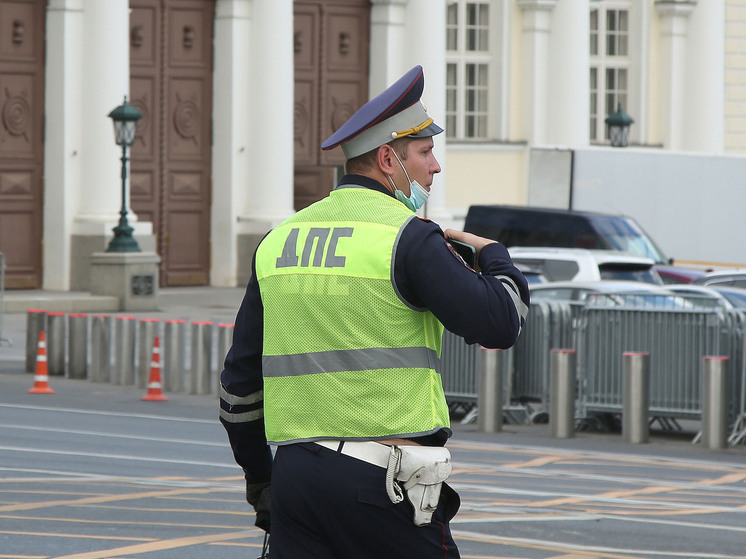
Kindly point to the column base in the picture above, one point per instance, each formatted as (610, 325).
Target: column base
(132, 277)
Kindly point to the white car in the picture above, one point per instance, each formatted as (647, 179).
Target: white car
(577, 264)
(712, 296)
(610, 293)
(735, 277)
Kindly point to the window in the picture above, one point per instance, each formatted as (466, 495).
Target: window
(469, 68)
(610, 60)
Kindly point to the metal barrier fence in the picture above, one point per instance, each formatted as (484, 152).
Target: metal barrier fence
(459, 363)
(549, 326)
(676, 340)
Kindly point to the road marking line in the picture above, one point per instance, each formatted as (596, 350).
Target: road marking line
(162, 545)
(99, 499)
(112, 413)
(119, 457)
(596, 551)
(75, 536)
(110, 435)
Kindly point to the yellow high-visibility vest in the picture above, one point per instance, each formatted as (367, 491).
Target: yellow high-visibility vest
(344, 357)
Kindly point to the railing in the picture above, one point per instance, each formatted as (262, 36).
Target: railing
(676, 339)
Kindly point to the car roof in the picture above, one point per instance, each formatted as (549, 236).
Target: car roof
(725, 276)
(545, 211)
(599, 256)
(735, 296)
(603, 286)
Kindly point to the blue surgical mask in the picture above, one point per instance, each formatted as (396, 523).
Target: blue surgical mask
(418, 195)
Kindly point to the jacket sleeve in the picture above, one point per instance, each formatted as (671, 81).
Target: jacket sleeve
(241, 389)
(488, 308)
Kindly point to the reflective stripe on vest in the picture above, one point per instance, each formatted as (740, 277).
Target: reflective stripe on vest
(349, 360)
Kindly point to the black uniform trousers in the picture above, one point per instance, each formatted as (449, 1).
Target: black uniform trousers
(326, 505)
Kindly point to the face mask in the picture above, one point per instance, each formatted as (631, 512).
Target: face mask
(417, 193)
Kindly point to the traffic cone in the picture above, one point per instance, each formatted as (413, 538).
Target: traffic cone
(41, 377)
(155, 389)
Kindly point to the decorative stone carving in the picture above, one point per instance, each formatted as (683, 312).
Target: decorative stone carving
(341, 113)
(188, 37)
(16, 114)
(344, 43)
(18, 32)
(136, 36)
(143, 124)
(300, 120)
(186, 118)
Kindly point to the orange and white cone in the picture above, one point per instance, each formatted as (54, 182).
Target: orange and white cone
(155, 389)
(41, 377)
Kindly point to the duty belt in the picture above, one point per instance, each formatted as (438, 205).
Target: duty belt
(417, 470)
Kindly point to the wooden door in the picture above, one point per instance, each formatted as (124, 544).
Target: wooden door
(21, 140)
(171, 84)
(331, 44)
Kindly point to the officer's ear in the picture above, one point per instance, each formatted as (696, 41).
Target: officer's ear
(386, 159)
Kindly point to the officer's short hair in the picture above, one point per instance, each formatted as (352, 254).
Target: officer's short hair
(367, 161)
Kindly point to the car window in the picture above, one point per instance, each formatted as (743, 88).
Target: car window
(625, 235)
(552, 270)
(736, 299)
(633, 273)
(727, 281)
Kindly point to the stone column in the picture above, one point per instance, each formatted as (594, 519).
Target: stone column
(674, 27)
(537, 24)
(569, 79)
(62, 137)
(389, 58)
(269, 185)
(231, 135)
(704, 89)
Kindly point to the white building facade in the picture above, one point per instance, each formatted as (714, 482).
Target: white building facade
(521, 85)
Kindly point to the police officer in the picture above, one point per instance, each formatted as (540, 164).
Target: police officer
(336, 349)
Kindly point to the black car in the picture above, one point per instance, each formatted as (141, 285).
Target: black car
(546, 227)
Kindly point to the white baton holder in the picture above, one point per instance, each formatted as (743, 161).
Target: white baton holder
(422, 471)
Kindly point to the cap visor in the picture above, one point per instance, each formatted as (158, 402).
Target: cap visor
(431, 130)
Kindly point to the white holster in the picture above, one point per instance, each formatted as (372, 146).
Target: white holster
(422, 471)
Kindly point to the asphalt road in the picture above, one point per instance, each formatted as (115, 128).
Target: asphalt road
(93, 471)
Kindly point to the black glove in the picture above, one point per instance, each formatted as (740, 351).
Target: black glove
(257, 495)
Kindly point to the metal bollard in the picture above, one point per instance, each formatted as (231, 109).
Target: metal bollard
(489, 403)
(146, 334)
(174, 345)
(77, 347)
(562, 393)
(56, 343)
(714, 403)
(201, 355)
(100, 348)
(36, 322)
(225, 340)
(636, 398)
(124, 351)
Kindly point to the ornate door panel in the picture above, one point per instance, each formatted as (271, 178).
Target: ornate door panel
(171, 84)
(331, 41)
(21, 140)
